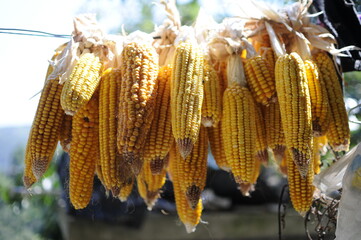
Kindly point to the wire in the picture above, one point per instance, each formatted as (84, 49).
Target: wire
(27, 32)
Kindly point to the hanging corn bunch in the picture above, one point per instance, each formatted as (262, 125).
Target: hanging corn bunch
(132, 109)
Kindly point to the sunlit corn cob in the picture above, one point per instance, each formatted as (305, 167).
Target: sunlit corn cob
(83, 81)
(108, 102)
(136, 101)
(239, 132)
(65, 132)
(149, 184)
(126, 189)
(160, 137)
(301, 188)
(186, 95)
(84, 153)
(189, 216)
(274, 130)
(319, 100)
(295, 106)
(193, 169)
(338, 133)
(260, 78)
(44, 133)
(212, 101)
(45, 127)
(261, 137)
(217, 146)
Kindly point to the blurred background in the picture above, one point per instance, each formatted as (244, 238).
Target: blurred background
(45, 213)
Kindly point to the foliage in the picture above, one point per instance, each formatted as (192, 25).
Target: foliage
(28, 214)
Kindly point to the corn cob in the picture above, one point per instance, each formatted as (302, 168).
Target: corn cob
(83, 81)
(109, 156)
(239, 132)
(160, 138)
(260, 77)
(190, 217)
(295, 106)
(217, 146)
(65, 132)
(301, 188)
(212, 101)
(84, 153)
(338, 133)
(193, 169)
(319, 101)
(261, 141)
(149, 184)
(136, 101)
(45, 130)
(274, 130)
(186, 95)
(126, 189)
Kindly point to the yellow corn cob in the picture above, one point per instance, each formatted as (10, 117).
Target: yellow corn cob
(149, 184)
(160, 138)
(83, 81)
(46, 139)
(136, 101)
(212, 101)
(319, 100)
(217, 146)
(84, 153)
(338, 133)
(186, 95)
(193, 169)
(261, 141)
(239, 132)
(190, 217)
(44, 133)
(274, 130)
(260, 77)
(126, 189)
(295, 106)
(301, 188)
(65, 132)
(109, 156)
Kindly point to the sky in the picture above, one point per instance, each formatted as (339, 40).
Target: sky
(24, 59)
